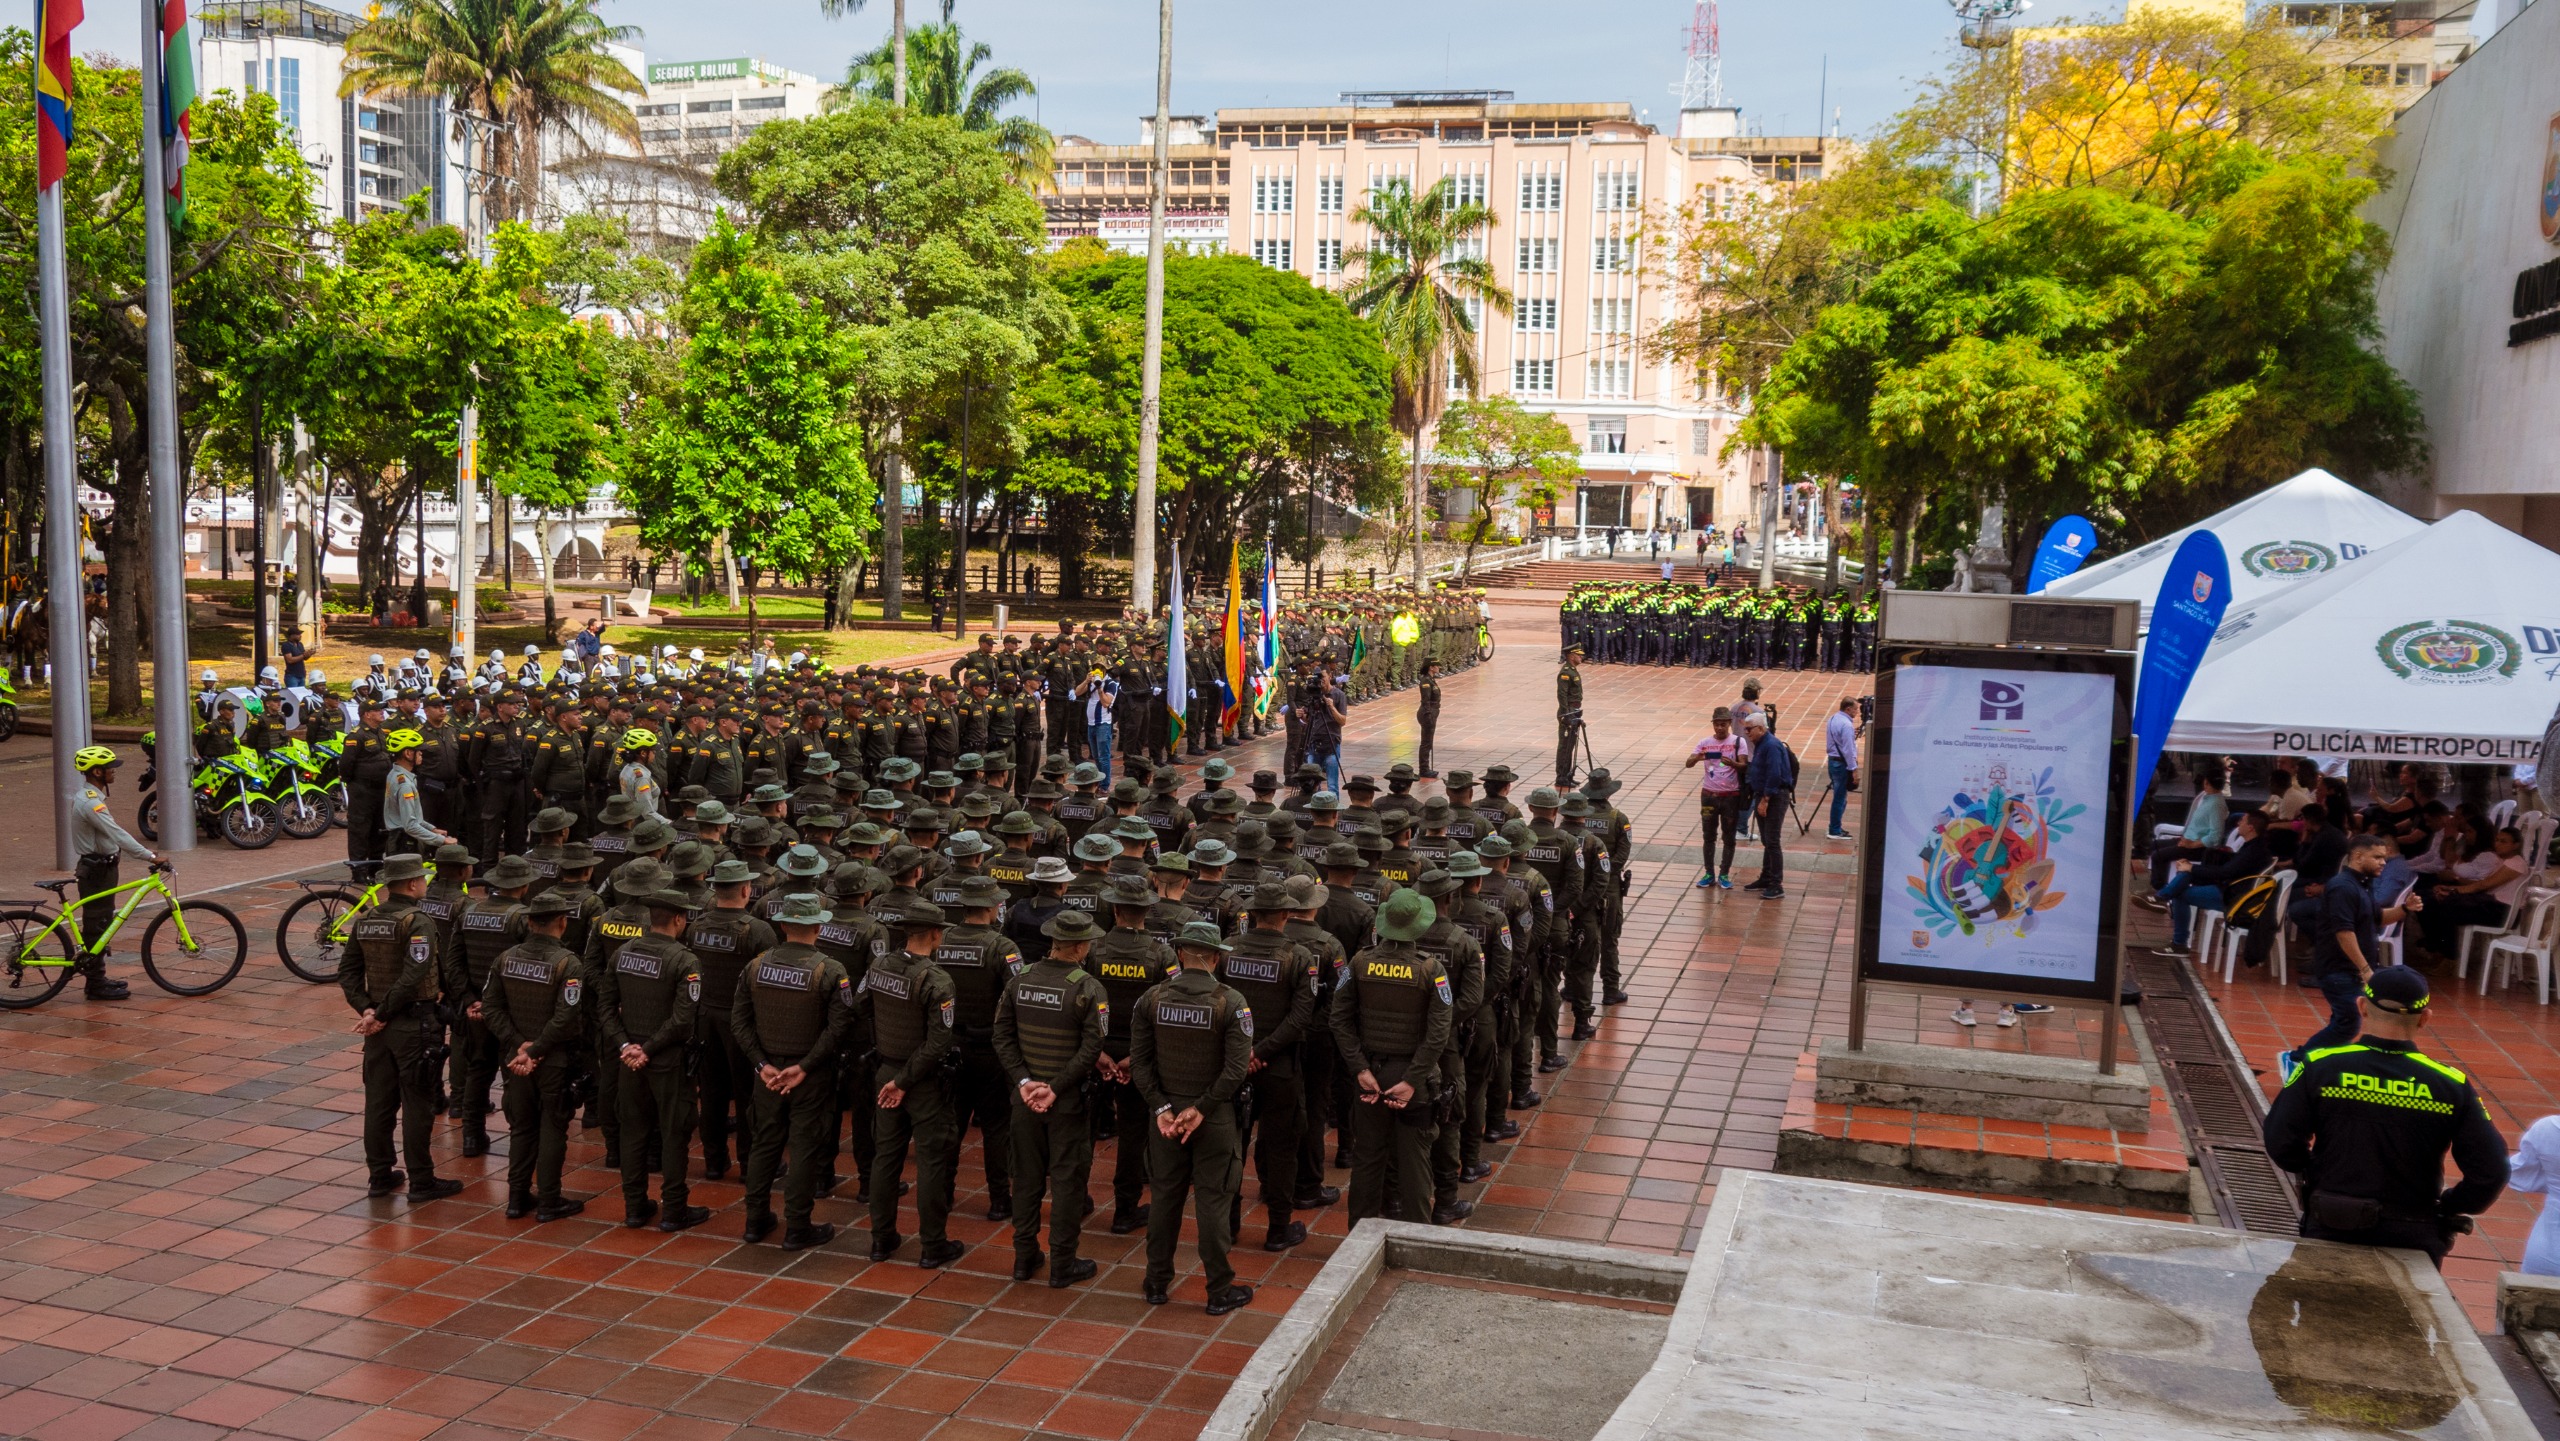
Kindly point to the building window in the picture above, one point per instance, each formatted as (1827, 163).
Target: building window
(1274, 253)
(1612, 378)
(1329, 195)
(2369, 74)
(1613, 317)
(365, 185)
(1608, 435)
(284, 82)
(1613, 255)
(1468, 188)
(1328, 257)
(1615, 190)
(1275, 194)
(2411, 74)
(706, 132)
(1541, 190)
(1471, 248)
(761, 102)
(1533, 377)
(648, 136)
(670, 108)
(1537, 315)
(1540, 257)
(707, 107)
(368, 120)
(1702, 437)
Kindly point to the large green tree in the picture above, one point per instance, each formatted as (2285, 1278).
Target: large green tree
(1515, 454)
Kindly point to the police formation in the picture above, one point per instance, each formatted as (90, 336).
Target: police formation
(867, 957)
(1676, 623)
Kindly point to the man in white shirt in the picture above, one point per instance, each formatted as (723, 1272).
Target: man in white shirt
(1840, 749)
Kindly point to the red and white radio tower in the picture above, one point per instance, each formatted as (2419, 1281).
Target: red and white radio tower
(1702, 86)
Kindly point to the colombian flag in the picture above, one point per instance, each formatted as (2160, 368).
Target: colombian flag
(1235, 636)
(55, 20)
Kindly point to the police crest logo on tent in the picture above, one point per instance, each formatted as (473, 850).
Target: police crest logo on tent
(2450, 652)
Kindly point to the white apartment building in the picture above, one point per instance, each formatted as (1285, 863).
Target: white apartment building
(1573, 187)
(693, 112)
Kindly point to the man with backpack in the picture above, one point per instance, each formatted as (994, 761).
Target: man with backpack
(1771, 780)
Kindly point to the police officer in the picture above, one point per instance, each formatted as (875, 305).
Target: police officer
(723, 940)
(1568, 713)
(1427, 715)
(1190, 1049)
(499, 762)
(404, 819)
(1050, 1020)
(390, 980)
(646, 999)
(101, 845)
(790, 1014)
(483, 930)
(1391, 1019)
(1129, 963)
(2367, 1126)
(908, 1001)
(365, 763)
(981, 963)
(1277, 978)
(532, 1009)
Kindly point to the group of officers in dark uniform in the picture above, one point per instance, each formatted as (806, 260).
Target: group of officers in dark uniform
(1678, 623)
(855, 952)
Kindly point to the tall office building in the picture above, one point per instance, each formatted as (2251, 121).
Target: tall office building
(367, 152)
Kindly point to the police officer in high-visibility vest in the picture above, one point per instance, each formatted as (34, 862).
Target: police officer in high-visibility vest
(2367, 1126)
(1190, 1048)
(1050, 1020)
(532, 1008)
(792, 1010)
(909, 1003)
(1392, 1017)
(646, 999)
(389, 977)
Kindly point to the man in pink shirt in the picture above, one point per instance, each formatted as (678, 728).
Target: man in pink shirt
(1720, 795)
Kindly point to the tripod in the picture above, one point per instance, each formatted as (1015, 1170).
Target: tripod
(1805, 819)
(1589, 756)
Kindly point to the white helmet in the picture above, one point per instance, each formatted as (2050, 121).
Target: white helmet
(798, 656)
(498, 655)
(315, 679)
(270, 675)
(693, 654)
(375, 662)
(605, 650)
(209, 678)
(457, 653)
(422, 654)
(533, 650)
(645, 678)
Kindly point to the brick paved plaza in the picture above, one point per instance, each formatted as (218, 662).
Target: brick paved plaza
(186, 1248)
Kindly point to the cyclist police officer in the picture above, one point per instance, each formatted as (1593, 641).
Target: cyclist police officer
(101, 845)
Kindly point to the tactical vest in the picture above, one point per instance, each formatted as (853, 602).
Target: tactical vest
(790, 1001)
(646, 973)
(1397, 868)
(1077, 811)
(1433, 851)
(389, 940)
(855, 940)
(1048, 1018)
(1395, 1000)
(719, 947)
(1311, 844)
(1012, 870)
(1165, 919)
(897, 1010)
(945, 893)
(487, 928)
(1466, 827)
(1189, 1026)
(1085, 893)
(1353, 820)
(529, 979)
(1548, 853)
(1268, 970)
(974, 958)
(439, 905)
(1127, 964)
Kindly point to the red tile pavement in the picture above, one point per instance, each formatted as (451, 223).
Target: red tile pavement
(183, 1229)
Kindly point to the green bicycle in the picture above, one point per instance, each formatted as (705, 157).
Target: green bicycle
(313, 934)
(191, 948)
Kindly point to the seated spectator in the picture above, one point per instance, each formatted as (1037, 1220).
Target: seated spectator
(2480, 890)
(2453, 837)
(2202, 885)
(2296, 785)
(2208, 820)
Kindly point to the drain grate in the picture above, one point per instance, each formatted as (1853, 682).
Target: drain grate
(2216, 1100)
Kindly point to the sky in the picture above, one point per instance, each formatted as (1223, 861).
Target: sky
(1094, 59)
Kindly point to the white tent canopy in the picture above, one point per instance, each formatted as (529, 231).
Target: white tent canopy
(2442, 647)
(2277, 540)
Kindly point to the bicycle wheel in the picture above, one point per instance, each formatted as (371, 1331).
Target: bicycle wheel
(313, 934)
(303, 815)
(215, 946)
(31, 977)
(251, 825)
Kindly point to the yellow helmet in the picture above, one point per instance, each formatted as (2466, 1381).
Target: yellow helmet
(93, 758)
(403, 740)
(636, 739)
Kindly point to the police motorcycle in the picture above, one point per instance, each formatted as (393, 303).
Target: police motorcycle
(231, 799)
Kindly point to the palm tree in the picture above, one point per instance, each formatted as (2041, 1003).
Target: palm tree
(897, 39)
(1424, 262)
(531, 64)
(943, 79)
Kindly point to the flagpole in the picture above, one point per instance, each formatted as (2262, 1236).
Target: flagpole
(169, 707)
(65, 604)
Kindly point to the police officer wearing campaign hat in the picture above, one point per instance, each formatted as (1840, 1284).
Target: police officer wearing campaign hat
(483, 929)
(390, 978)
(2367, 1126)
(1392, 1017)
(790, 1016)
(908, 1000)
(533, 1008)
(981, 962)
(1129, 962)
(1050, 1020)
(1190, 1050)
(724, 939)
(1278, 979)
(646, 999)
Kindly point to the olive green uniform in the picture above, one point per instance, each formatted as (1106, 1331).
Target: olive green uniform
(909, 1003)
(1188, 1047)
(1277, 978)
(533, 999)
(621, 923)
(391, 971)
(646, 996)
(980, 961)
(1392, 1017)
(483, 930)
(723, 942)
(1050, 1021)
(1458, 954)
(792, 1008)
(1568, 722)
(1129, 963)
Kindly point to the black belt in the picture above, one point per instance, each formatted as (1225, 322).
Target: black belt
(102, 858)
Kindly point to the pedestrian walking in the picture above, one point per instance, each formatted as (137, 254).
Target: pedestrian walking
(1723, 755)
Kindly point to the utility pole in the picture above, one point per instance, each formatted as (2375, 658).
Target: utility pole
(261, 468)
(169, 709)
(893, 481)
(66, 605)
(1142, 545)
(466, 547)
(1769, 482)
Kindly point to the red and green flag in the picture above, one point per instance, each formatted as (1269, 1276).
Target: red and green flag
(55, 20)
(177, 104)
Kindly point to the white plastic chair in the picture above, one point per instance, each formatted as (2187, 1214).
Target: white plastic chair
(2503, 813)
(2207, 924)
(2389, 939)
(2236, 940)
(2534, 941)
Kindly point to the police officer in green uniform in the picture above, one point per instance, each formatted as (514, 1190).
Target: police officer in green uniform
(909, 1003)
(981, 964)
(532, 1009)
(627, 919)
(1190, 1049)
(2367, 1126)
(1391, 1019)
(792, 1009)
(1456, 953)
(646, 999)
(1568, 713)
(1050, 1021)
(1277, 978)
(483, 929)
(390, 979)
(723, 940)
(1129, 963)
